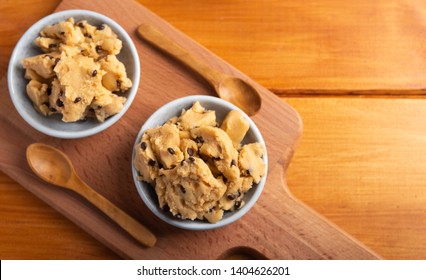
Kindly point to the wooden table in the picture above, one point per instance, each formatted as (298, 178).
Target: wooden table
(354, 71)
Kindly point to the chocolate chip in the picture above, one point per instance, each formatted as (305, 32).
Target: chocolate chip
(100, 27)
(190, 152)
(231, 196)
(178, 216)
(59, 103)
(49, 91)
(143, 146)
(56, 61)
(171, 151)
(80, 24)
(51, 46)
(166, 208)
(233, 163)
(98, 49)
(237, 204)
(94, 73)
(151, 162)
(87, 35)
(191, 159)
(199, 139)
(78, 99)
(182, 189)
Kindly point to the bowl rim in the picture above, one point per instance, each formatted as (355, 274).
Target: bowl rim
(123, 35)
(196, 224)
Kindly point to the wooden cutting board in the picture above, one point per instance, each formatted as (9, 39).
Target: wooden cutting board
(277, 227)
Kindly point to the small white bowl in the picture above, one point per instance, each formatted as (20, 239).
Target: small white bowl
(53, 125)
(172, 109)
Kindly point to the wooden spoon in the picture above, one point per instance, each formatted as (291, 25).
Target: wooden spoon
(56, 168)
(229, 88)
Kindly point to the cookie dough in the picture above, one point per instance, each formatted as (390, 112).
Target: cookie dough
(236, 126)
(198, 169)
(79, 75)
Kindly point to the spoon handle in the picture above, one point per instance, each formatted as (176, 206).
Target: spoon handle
(133, 227)
(159, 40)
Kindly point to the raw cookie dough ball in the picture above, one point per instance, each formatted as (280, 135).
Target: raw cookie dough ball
(115, 78)
(165, 143)
(38, 95)
(189, 189)
(233, 198)
(41, 64)
(64, 32)
(236, 126)
(250, 161)
(145, 161)
(78, 85)
(196, 116)
(216, 144)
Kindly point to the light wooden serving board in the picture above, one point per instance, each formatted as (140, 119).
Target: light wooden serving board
(277, 227)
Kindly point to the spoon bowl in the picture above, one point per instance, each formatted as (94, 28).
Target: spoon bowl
(50, 164)
(230, 88)
(53, 166)
(241, 94)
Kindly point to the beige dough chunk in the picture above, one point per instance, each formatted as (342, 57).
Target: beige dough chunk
(188, 147)
(145, 161)
(64, 31)
(216, 144)
(75, 74)
(196, 116)
(30, 74)
(214, 215)
(236, 126)
(41, 64)
(115, 78)
(165, 143)
(115, 105)
(189, 189)
(250, 161)
(232, 199)
(99, 40)
(38, 95)
(48, 45)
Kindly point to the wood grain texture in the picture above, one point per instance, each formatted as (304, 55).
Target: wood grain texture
(361, 163)
(311, 44)
(292, 231)
(394, 228)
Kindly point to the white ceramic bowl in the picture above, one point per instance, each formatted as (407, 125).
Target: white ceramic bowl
(174, 108)
(53, 125)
